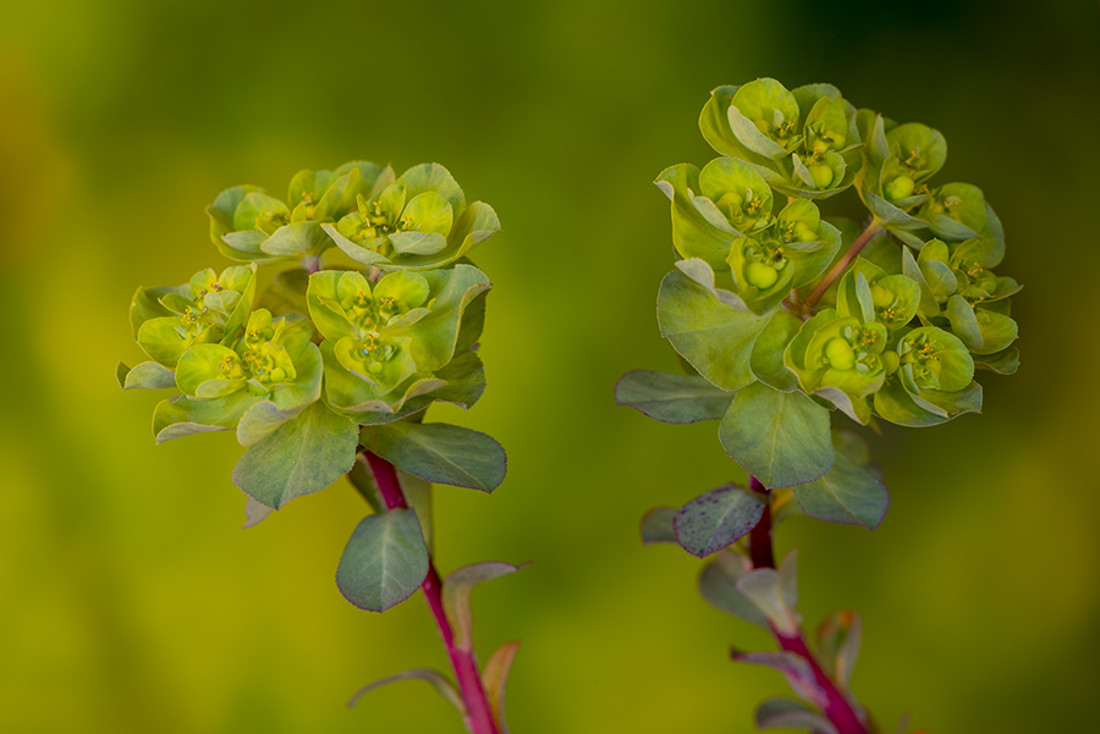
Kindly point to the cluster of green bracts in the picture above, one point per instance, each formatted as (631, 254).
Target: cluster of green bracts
(324, 362)
(781, 316)
(898, 337)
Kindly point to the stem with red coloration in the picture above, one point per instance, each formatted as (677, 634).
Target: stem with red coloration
(479, 715)
(842, 264)
(838, 709)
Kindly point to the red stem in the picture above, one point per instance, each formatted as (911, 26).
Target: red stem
(838, 709)
(842, 264)
(479, 715)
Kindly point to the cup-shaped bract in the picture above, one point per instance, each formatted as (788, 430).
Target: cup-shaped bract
(418, 222)
(959, 294)
(803, 141)
(273, 361)
(210, 308)
(270, 358)
(247, 224)
(933, 381)
(386, 343)
(832, 352)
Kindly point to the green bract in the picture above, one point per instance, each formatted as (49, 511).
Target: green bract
(269, 374)
(723, 215)
(388, 343)
(248, 224)
(419, 221)
(803, 142)
(209, 308)
(834, 353)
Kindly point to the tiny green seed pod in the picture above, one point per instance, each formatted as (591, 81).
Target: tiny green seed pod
(760, 275)
(890, 361)
(899, 188)
(840, 353)
(821, 174)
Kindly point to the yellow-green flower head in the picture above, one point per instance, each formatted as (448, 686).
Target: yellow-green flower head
(209, 308)
(248, 224)
(839, 352)
(419, 221)
(271, 354)
(804, 142)
(387, 338)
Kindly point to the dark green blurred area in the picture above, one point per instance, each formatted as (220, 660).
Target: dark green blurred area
(131, 600)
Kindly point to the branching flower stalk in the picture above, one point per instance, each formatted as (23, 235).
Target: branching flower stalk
(784, 317)
(327, 365)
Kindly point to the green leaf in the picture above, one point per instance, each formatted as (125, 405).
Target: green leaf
(694, 234)
(441, 683)
(1003, 363)
(714, 337)
(145, 376)
(849, 493)
(183, 416)
(385, 561)
(767, 351)
(672, 398)
(780, 438)
(297, 239)
(433, 177)
(418, 494)
(716, 519)
(718, 587)
(963, 322)
(657, 526)
(440, 453)
(457, 588)
(302, 456)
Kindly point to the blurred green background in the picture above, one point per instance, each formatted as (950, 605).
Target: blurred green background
(131, 600)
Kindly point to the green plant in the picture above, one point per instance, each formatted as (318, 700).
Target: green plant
(781, 316)
(328, 372)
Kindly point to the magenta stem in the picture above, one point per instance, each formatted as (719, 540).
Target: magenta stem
(479, 715)
(838, 709)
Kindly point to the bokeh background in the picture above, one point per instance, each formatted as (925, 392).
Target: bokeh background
(132, 601)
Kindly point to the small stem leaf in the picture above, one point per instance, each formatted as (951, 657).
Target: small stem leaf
(303, 455)
(441, 683)
(780, 438)
(716, 519)
(255, 512)
(145, 376)
(718, 587)
(657, 526)
(784, 713)
(794, 668)
(765, 588)
(457, 588)
(495, 678)
(839, 637)
(672, 398)
(385, 561)
(440, 453)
